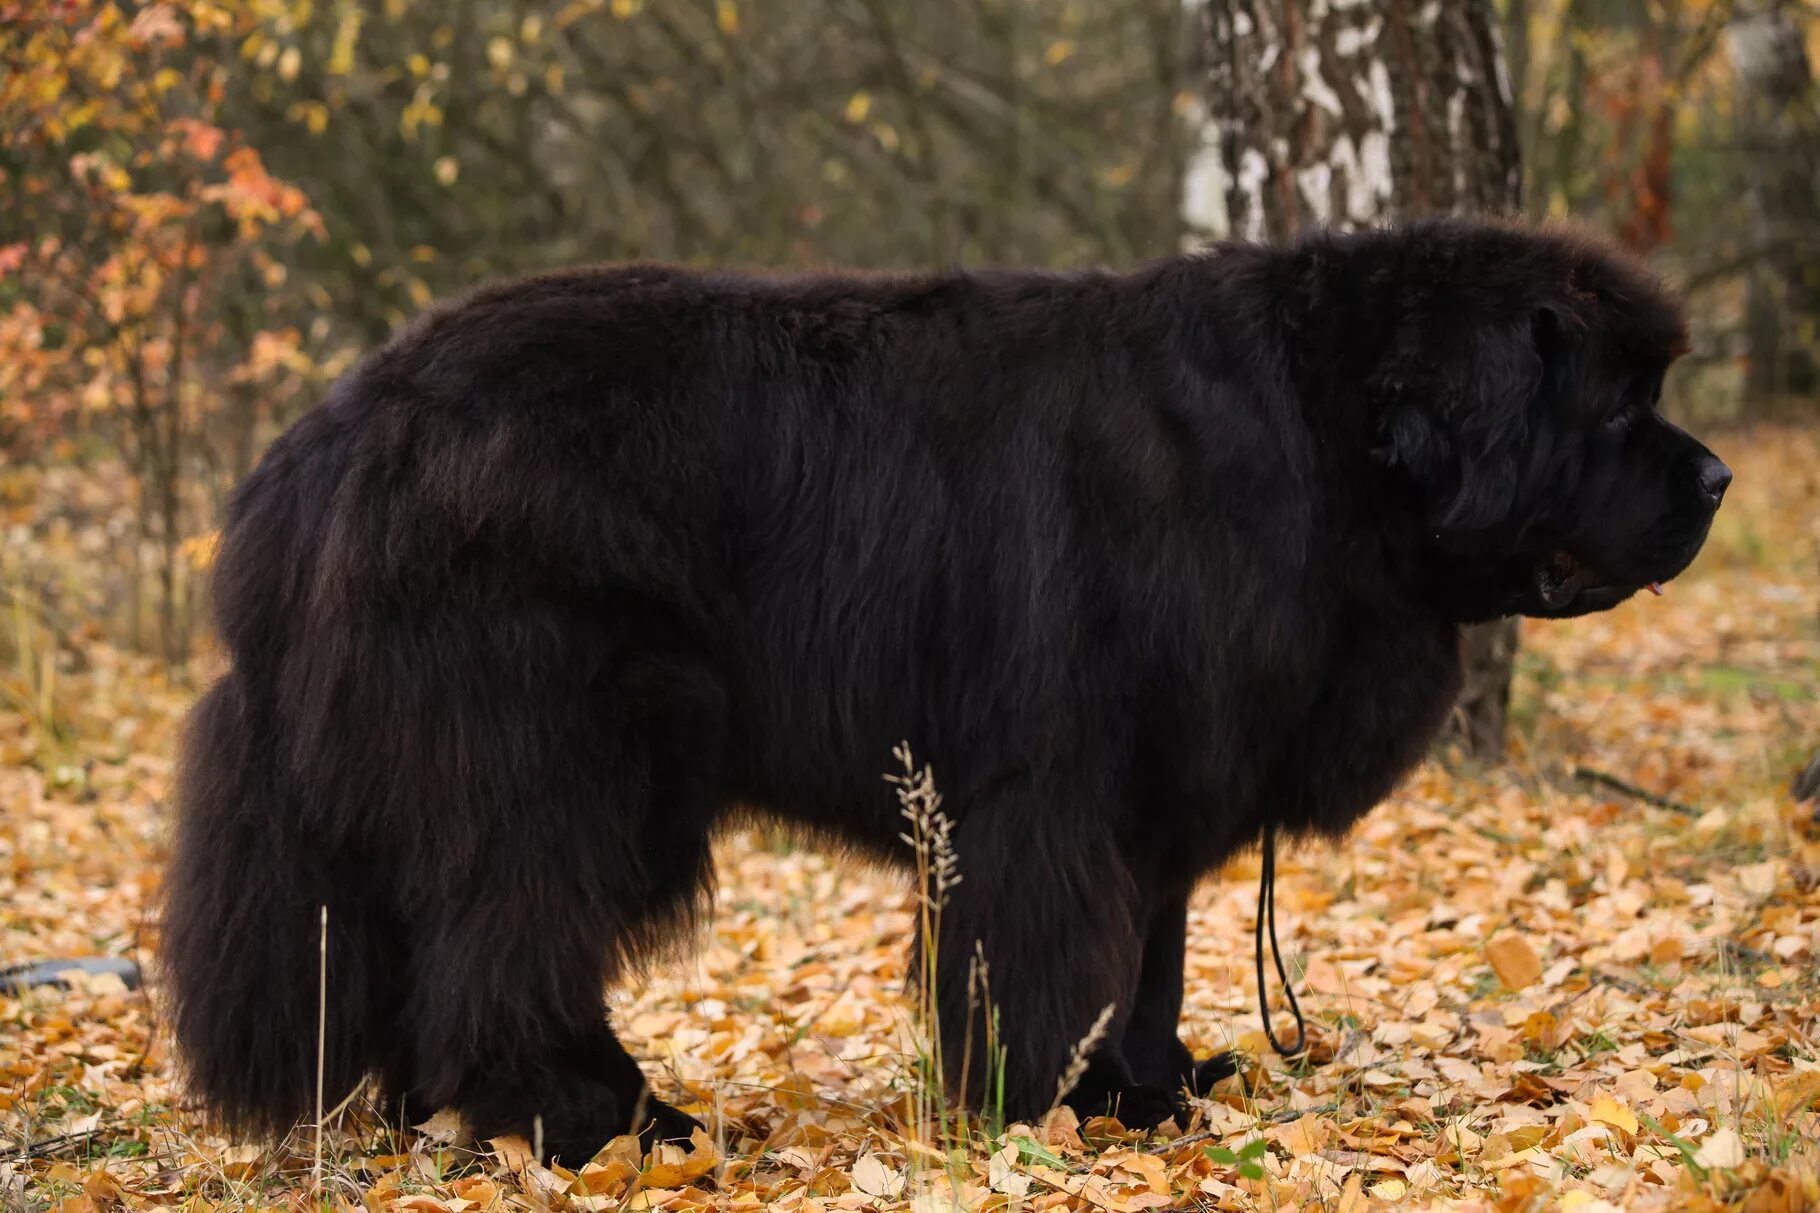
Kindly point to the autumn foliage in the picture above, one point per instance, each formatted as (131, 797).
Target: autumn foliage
(142, 257)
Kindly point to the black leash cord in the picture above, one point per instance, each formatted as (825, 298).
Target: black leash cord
(1267, 905)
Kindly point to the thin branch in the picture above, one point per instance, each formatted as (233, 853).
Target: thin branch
(1607, 780)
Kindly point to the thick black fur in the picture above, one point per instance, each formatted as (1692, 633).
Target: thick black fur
(1140, 562)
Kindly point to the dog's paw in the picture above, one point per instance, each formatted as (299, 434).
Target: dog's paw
(1136, 1106)
(1211, 1071)
(654, 1121)
(660, 1122)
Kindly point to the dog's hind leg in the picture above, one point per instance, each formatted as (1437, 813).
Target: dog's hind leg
(564, 804)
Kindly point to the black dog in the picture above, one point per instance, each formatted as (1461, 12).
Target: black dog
(1141, 562)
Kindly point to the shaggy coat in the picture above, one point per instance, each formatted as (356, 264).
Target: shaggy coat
(1140, 562)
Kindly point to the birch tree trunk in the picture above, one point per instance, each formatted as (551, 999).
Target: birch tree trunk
(1346, 113)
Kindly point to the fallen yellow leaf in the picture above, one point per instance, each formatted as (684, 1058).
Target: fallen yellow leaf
(1609, 1111)
(672, 1166)
(1513, 960)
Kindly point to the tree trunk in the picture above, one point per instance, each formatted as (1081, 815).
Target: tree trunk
(1346, 115)
(1779, 130)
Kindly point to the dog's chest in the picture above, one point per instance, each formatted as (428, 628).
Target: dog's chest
(1312, 743)
(1384, 694)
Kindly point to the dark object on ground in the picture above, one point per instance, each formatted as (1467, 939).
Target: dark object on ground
(1807, 785)
(1139, 562)
(1610, 782)
(17, 978)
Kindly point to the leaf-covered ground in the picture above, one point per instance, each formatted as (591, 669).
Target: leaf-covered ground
(1527, 990)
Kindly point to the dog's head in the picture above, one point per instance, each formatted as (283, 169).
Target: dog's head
(1516, 406)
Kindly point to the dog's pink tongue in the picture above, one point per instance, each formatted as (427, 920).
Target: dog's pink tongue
(1655, 587)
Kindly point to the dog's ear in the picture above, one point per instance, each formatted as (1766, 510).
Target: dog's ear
(1457, 404)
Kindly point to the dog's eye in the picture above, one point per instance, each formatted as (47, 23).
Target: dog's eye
(1619, 421)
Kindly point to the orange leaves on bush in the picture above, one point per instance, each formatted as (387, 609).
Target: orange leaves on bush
(201, 139)
(254, 198)
(125, 257)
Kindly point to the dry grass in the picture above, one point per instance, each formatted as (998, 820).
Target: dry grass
(1525, 991)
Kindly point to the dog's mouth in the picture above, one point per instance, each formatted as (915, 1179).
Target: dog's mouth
(1563, 583)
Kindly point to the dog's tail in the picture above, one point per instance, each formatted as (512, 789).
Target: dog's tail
(261, 1018)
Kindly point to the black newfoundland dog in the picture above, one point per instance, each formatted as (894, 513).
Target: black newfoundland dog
(575, 569)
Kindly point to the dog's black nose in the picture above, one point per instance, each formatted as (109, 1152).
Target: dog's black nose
(1714, 477)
